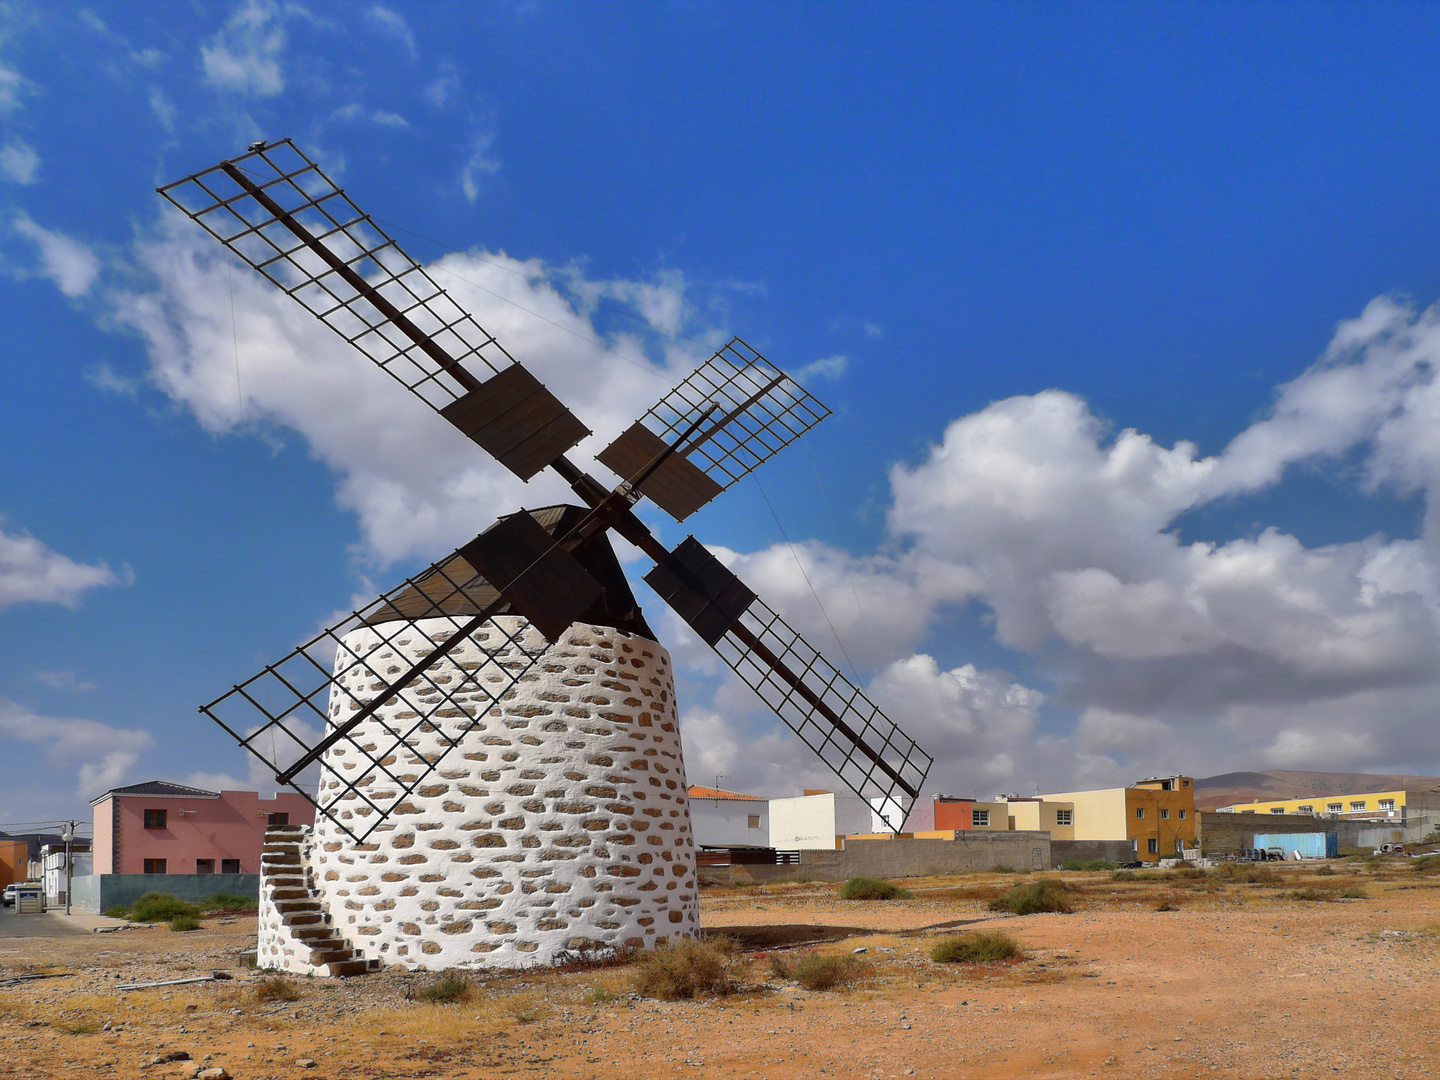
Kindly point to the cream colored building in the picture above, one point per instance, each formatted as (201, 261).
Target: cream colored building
(1157, 815)
(1047, 815)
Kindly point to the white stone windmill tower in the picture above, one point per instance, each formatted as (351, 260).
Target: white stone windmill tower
(500, 780)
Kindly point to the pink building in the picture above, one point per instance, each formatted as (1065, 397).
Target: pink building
(162, 828)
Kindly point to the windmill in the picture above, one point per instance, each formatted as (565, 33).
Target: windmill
(359, 699)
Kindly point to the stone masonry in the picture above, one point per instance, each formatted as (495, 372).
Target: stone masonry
(559, 825)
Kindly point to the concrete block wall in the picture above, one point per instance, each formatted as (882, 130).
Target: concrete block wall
(1227, 834)
(975, 852)
(1116, 851)
(560, 823)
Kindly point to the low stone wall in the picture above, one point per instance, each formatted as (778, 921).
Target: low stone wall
(971, 853)
(1116, 851)
(100, 892)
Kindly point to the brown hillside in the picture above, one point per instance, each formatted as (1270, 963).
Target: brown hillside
(1212, 792)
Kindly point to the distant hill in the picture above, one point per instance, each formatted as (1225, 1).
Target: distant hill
(1213, 792)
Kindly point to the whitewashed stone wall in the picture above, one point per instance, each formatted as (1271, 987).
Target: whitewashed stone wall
(559, 824)
(277, 948)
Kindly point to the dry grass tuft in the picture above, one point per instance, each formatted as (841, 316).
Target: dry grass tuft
(275, 988)
(975, 948)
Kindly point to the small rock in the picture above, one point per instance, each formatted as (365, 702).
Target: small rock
(107, 1026)
(861, 949)
(306, 1063)
(215, 1072)
(191, 1007)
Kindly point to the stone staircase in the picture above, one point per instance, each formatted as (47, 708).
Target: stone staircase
(307, 923)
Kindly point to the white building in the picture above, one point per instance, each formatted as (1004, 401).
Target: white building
(815, 820)
(52, 863)
(728, 819)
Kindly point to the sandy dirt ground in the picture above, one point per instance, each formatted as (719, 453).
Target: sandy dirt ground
(1238, 980)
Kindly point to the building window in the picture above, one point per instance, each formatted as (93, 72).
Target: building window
(155, 819)
(1334, 807)
(230, 866)
(1064, 817)
(1152, 846)
(154, 866)
(1387, 804)
(1184, 783)
(1359, 804)
(1139, 811)
(753, 821)
(1180, 845)
(979, 817)
(277, 819)
(1277, 809)
(1164, 814)
(1182, 815)
(1305, 809)
(204, 866)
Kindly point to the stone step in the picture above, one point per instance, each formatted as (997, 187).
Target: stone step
(331, 956)
(298, 904)
(305, 919)
(289, 858)
(345, 968)
(289, 892)
(272, 848)
(312, 933)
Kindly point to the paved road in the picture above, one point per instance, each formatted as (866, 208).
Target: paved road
(50, 924)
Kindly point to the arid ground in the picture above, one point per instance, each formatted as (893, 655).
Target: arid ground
(1167, 976)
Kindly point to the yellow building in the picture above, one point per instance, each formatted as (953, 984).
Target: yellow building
(1157, 815)
(1381, 804)
(1048, 815)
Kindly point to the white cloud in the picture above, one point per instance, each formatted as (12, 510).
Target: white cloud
(14, 88)
(479, 164)
(872, 330)
(831, 367)
(162, 108)
(417, 486)
(244, 56)
(31, 572)
(389, 119)
(392, 24)
(444, 88)
(101, 755)
(19, 163)
(71, 265)
(103, 377)
(66, 680)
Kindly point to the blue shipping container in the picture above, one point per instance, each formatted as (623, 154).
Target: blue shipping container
(1311, 845)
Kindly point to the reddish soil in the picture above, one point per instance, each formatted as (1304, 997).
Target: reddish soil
(1241, 980)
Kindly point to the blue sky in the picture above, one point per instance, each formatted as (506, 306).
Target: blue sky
(1123, 310)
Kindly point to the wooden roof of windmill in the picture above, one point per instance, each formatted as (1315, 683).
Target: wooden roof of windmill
(454, 587)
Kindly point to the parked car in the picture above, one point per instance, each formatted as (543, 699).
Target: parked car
(10, 890)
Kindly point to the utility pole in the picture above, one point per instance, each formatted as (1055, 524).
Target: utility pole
(69, 877)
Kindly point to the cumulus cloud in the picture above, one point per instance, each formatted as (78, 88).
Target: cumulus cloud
(31, 572)
(102, 756)
(244, 55)
(71, 265)
(19, 163)
(417, 485)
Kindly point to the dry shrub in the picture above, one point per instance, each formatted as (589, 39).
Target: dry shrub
(1047, 894)
(1315, 895)
(869, 888)
(975, 948)
(826, 971)
(1245, 874)
(687, 969)
(1426, 864)
(275, 988)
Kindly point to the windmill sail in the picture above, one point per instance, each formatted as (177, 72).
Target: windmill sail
(278, 211)
(760, 411)
(830, 714)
